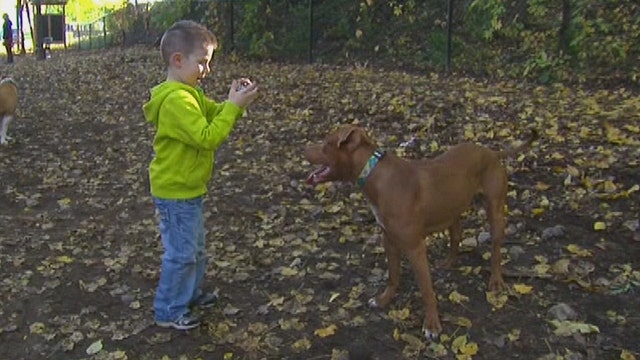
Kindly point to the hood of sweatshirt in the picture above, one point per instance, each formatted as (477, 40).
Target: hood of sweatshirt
(158, 94)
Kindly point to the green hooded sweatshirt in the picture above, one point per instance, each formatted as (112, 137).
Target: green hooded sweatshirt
(189, 128)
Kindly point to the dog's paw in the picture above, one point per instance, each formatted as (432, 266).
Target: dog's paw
(431, 329)
(430, 335)
(373, 303)
(497, 284)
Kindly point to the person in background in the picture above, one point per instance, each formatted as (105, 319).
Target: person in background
(7, 37)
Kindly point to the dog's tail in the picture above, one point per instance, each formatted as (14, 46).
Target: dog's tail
(509, 153)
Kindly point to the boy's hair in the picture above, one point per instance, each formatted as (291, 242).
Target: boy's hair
(185, 36)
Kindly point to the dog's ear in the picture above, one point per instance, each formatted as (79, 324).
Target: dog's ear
(349, 136)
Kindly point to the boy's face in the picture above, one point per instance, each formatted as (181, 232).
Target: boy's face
(189, 69)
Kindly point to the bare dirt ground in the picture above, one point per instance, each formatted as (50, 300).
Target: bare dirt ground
(295, 266)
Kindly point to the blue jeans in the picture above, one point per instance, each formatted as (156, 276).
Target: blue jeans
(184, 261)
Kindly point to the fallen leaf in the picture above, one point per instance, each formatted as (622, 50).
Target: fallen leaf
(328, 331)
(94, 348)
(568, 328)
(523, 289)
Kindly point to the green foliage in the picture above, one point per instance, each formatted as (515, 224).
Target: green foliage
(547, 40)
(165, 13)
(85, 11)
(485, 17)
(274, 28)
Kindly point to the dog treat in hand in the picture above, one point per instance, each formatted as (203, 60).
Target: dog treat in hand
(244, 83)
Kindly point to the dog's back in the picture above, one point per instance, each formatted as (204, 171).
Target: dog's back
(8, 96)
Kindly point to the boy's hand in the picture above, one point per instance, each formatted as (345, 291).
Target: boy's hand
(245, 95)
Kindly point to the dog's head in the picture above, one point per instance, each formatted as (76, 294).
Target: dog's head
(341, 155)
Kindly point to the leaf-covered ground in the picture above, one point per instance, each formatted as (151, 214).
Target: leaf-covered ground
(80, 254)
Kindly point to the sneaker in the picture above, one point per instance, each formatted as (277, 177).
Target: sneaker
(185, 322)
(206, 300)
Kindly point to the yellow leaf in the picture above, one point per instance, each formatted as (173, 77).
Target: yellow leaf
(497, 300)
(413, 341)
(567, 181)
(334, 296)
(64, 203)
(568, 328)
(287, 271)
(400, 315)
(334, 208)
(632, 128)
(94, 348)
(557, 156)
(458, 343)
(64, 259)
(328, 331)
(36, 328)
(599, 226)
(544, 202)
(293, 323)
(457, 298)
(228, 356)
(540, 186)
(469, 349)
(514, 335)
(627, 355)
(561, 266)
(301, 345)
(277, 301)
(462, 321)
(541, 269)
(537, 211)
(522, 289)
(577, 250)
(610, 186)
(573, 171)
(468, 134)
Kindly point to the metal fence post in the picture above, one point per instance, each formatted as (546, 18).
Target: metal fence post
(449, 31)
(231, 36)
(310, 31)
(104, 31)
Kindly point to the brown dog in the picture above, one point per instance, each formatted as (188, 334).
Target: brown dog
(414, 198)
(8, 105)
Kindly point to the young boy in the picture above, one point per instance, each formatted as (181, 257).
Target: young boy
(189, 128)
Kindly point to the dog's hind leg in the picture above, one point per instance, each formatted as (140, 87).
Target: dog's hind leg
(495, 193)
(3, 130)
(455, 236)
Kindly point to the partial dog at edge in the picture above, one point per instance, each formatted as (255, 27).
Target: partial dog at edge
(414, 198)
(8, 105)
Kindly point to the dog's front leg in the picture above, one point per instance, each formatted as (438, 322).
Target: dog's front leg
(393, 264)
(497, 223)
(417, 256)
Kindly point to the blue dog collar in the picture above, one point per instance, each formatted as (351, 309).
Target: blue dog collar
(368, 167)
